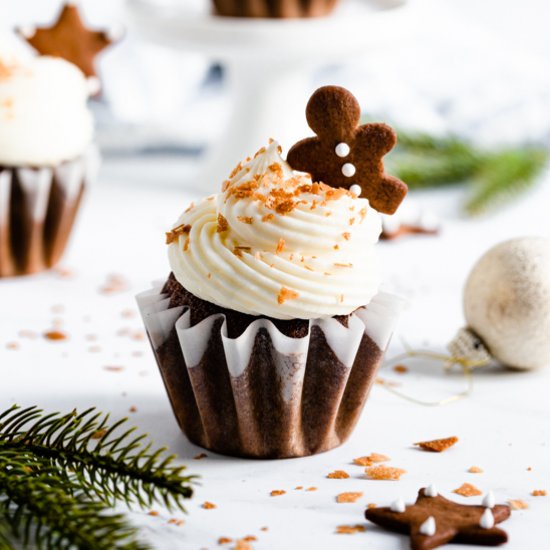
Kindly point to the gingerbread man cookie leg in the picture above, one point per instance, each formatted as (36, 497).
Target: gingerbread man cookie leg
(344, 154)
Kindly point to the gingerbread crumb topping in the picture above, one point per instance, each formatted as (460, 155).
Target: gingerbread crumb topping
(280, 246)
(286, 294)
(277, 492)
(223, 225)
(370, 459)
(246, 219)
(174, 233)
(538, 493)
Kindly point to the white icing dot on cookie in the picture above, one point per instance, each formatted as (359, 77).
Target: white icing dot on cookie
(488, 500)
(428, 527)
(398, 505)
(342, 150)
(430, 490)
(27, 31)
(356, 189)
(348, 170)
(487, 520)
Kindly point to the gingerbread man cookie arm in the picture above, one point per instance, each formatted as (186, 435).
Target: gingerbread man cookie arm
(302, 154)
(388, 195)
(375, 138)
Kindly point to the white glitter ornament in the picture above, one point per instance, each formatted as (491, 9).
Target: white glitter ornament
(507, 306)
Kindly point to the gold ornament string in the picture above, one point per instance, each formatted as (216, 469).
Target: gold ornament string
(467, 364)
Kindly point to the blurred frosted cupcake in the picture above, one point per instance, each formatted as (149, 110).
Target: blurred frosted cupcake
(274, 8)
(46, 158)
(270, 328)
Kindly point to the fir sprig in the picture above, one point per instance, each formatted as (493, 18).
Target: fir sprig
(59, 474)
(495, 175)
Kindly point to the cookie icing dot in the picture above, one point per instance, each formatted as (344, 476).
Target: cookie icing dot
(487, 520)
(398, 505)
(342, 149)
(348, 170)
(488, 500)
(428, 527)
(430, 491)
(356, 189)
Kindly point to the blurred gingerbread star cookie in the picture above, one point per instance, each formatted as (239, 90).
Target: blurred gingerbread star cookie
(344, 154)
(70, 39)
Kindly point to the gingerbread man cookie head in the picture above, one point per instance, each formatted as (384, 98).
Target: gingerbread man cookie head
(344, 154)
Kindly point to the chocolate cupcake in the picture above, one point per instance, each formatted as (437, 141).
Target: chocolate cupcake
(274, 8)
(46, 159)
(270, 329)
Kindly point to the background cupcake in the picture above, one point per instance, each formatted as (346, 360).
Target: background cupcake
(274, 8)
(46, 158)
(261, 332)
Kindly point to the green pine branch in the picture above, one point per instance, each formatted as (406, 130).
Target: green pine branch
(60, 474)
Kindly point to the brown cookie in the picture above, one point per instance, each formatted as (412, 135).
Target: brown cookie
(345, 154)
(70, 39)
(433, 521)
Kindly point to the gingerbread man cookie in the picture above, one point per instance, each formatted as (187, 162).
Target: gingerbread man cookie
(344, 154)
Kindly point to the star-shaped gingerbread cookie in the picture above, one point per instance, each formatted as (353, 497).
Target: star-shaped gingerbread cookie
(70, 39)
(344, 154)
(433, 521)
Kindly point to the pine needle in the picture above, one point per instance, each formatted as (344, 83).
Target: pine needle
(59, 474)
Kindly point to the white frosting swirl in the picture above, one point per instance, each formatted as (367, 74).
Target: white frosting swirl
(273, 243)
(44, 119)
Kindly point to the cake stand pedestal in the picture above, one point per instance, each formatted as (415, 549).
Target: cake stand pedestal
(269, 64)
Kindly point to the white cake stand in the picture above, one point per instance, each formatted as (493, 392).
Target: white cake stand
(268, 63)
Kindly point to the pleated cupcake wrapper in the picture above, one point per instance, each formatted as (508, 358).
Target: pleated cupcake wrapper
(37, 210)
(264, 394)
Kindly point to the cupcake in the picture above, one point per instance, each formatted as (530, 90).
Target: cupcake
(46, 159)
(270, 328)
(277, 8)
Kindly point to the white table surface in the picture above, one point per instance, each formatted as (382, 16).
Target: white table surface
(503, 427)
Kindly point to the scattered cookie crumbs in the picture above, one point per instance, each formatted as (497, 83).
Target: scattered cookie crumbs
(280, 246)
(249, 538)
(529, 469)
(383, 382)
(371, 505)
(370, 459)
(350, 529)
(30, 334)
(277, 492)
(338, 474)
(298, 488)
(208, 505)
(346, 235)
(242, 545)
(475, 470)
(137, 335)
(175, 521)
(468, 490)
(311, 489)
(114, 283)
(518, 504)
(64, 272)
(400, 369)
(538, 493)
(153, 513)
(12, 345)
(224, 540)
(98, 434)
(246, 219)
(264, 528)
(55, 335)
(133, 409)
(286, 294)
(348, 497)
(113, 368)
(200, 456)
(268, 217)
(437, 445)
(384, 473)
